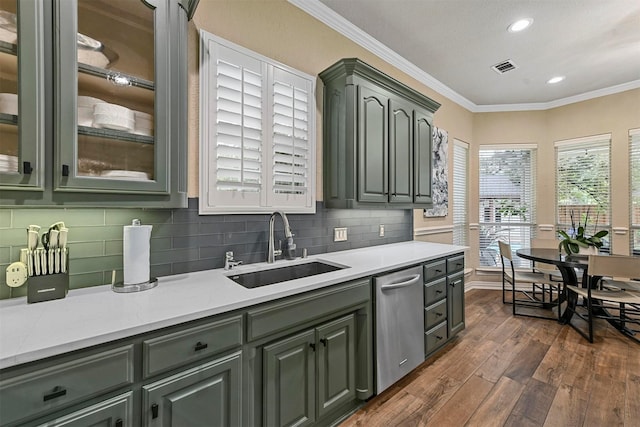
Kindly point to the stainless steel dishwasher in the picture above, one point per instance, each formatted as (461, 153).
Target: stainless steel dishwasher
(399, 325)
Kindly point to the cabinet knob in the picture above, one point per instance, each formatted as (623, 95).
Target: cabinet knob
(323, 341)
(199, 346)
(57, 391)
(26, 168)
(313, 346)
(154, 411)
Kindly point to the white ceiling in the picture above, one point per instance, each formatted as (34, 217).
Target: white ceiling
(452, 44)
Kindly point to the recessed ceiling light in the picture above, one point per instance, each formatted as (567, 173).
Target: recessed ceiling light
(520, 25)
(556, 79)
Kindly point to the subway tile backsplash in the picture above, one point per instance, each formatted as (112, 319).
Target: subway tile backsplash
(183, 241)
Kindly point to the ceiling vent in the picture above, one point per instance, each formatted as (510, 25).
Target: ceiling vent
(504, 66)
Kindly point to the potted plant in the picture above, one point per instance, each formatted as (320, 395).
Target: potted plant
(576, 239)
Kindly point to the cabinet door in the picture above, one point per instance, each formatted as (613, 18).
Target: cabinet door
(455, 301)
(336, 364)
(22, 95)
(207, 395)
(289, 381)
(373, 173)
(114, 412)
(113, 108)
(400, 152)
(423, 157)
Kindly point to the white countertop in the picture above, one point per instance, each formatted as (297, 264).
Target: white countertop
(98, 315)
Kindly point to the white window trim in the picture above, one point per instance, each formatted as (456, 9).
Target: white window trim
(267, 201)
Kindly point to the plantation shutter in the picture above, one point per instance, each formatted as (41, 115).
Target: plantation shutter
(583, 182)
(460, 192)
(291, 150)
(634, 188)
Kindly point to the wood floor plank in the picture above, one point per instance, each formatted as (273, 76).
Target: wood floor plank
(568, 407)
(527, 361)
(496, 408)
(462, 404)
(632, 399)
(606, 402)
(533, 405)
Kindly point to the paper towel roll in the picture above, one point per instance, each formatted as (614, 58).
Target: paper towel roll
(136, 248)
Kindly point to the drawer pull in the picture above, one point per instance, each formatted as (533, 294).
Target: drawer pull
(119, 422)
(438, 291)
(199, 346)
(154, 411)
(438, 270)
(438, 337)
(438, 314)
(56, 392)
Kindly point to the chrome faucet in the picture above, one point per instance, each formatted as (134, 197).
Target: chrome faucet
(229, 262)
(289, 251)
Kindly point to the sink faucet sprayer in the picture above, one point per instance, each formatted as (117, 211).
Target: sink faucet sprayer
(289, 250)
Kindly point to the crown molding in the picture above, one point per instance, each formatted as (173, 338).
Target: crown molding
(327, 16)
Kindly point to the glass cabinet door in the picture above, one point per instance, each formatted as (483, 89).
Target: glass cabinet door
(111, 95)
(21, 95)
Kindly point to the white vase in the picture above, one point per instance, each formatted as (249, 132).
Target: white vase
(591, 250)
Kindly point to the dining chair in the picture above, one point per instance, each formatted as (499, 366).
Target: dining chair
(529, 289)
(613, 294)
(549, 269)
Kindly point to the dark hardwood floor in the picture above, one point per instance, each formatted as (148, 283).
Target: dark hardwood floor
(515, 371)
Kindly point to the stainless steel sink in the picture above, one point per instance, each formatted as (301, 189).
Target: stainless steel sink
(255, 279)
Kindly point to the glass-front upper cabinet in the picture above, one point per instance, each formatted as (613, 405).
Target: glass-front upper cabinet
(112, 95)
(21, 95)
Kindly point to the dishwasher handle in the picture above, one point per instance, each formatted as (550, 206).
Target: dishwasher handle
(406, 283)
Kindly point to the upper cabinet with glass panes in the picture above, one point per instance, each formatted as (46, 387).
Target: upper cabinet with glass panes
(118, 86)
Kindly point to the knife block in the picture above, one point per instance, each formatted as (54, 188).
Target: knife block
(46, 288)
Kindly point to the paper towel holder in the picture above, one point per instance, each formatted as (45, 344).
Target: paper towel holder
(122, 288)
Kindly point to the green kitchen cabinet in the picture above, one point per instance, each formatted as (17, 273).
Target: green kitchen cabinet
(455, 294)
(377, 140)
(207, 395)
(443, 301)
(114, 412)
(109, 128)
(290, 382)
(310, 374)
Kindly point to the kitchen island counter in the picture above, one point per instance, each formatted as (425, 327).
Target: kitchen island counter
(97, 315)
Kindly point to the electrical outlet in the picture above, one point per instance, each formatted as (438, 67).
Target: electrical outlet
(340, 234)
(381, 230)
(16, 274)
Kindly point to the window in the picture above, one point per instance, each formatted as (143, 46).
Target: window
(460, 191)
(634, 202)
(582, 184)
(257, 134)
(507, 199)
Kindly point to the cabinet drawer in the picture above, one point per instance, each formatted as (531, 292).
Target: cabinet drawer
(435, 338)
(63, 384)
(185, 346)
(455, 264)
(276, 317)
(435, 291)
(435, 314)
(435, 270)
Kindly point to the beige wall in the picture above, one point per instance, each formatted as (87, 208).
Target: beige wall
(281, 31)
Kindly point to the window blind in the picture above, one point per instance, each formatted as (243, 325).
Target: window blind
(583, 183)
(507, 199)
(460, 192)
(634, 188)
